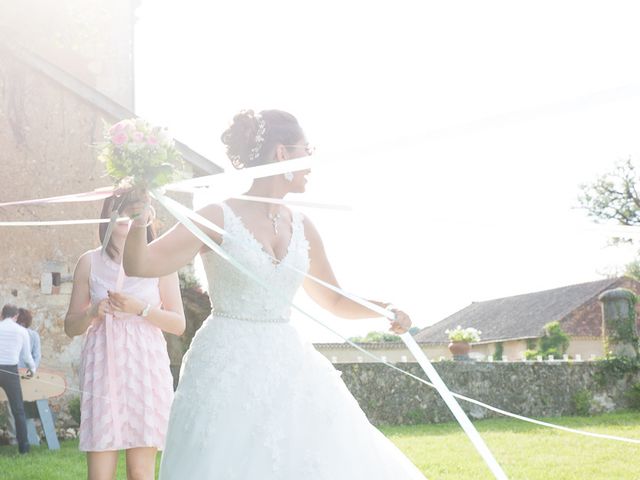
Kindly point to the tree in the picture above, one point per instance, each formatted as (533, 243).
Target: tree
(632, 269)
(553, 342)
(376, 337)
(614, 196)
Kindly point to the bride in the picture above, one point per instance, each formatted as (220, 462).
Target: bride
(254, 401)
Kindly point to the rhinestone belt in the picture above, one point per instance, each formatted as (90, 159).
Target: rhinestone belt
(216, 313)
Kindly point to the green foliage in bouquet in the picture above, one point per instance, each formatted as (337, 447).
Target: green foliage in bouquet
(139, 155)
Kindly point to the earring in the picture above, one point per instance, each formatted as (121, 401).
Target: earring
(288, 176)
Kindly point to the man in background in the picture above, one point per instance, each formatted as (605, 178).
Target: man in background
(25, 320)
(15, 344)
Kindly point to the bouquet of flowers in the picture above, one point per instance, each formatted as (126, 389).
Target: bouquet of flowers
(460, 334)
(138, 155)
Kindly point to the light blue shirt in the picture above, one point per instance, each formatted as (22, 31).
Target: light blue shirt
(35, 349)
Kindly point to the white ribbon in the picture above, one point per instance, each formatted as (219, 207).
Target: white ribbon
(66, 387)
(42, 223)
(296, 203)
(193, 185)
(97, 194)
(249, 173)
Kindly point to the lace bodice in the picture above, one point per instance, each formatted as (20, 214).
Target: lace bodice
(234, 294)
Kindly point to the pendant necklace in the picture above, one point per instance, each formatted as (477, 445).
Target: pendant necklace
(274, 217)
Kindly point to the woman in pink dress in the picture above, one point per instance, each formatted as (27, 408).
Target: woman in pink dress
(124, 374)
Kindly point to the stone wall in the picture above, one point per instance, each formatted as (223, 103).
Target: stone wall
(531, 389)
(46, 138)
(527, 388)
(46, 133)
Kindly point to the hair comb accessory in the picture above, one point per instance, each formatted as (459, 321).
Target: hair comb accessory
(259, 139)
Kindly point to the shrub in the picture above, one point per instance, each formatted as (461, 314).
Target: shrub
(531, 354)
(499, 351)
(74, 409)
(554, 342)
(633, 396)
(610, 369)
(582, 402)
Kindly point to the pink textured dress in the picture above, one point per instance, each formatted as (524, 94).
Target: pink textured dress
(124, 373)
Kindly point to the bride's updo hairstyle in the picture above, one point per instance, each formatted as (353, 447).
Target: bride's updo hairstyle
(252, 137)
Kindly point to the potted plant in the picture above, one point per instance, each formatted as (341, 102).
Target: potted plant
(461, 339)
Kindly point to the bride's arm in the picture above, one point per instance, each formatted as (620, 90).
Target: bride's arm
(335, 303)
(169, 252)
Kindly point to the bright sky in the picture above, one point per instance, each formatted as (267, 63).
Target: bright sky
(459, 132)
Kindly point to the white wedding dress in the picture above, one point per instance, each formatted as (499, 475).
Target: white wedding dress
(256, 402)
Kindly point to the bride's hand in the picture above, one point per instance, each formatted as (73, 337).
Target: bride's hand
(139, 208)
(401, 324)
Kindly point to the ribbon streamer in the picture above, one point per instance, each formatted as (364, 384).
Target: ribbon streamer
(297, 203)
(444, 392)
(98, 194)
(192, 185)
(44, 223)
(250, 173)
(67, 387)
(454, 406)
(111, 363)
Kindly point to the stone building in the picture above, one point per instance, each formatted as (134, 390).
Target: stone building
(515, 323)
(66, 68)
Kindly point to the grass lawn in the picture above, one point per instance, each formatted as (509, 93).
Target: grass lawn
(526, 451)
(441, 451)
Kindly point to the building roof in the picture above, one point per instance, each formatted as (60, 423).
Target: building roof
(103, 103)
(520, 316)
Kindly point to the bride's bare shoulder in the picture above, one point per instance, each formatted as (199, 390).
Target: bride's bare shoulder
(310, 230)
(213, 213)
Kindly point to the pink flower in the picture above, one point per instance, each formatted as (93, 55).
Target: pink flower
(119, 138)
(117, 128)
(152, 140)
(138, 137)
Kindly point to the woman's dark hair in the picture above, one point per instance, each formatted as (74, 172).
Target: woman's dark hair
(241, 137)
(9, 311)
(107, 208)
(24, 317)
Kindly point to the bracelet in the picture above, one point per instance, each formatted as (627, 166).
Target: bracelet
(391, 307)
(151, 218)
(145, 310)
